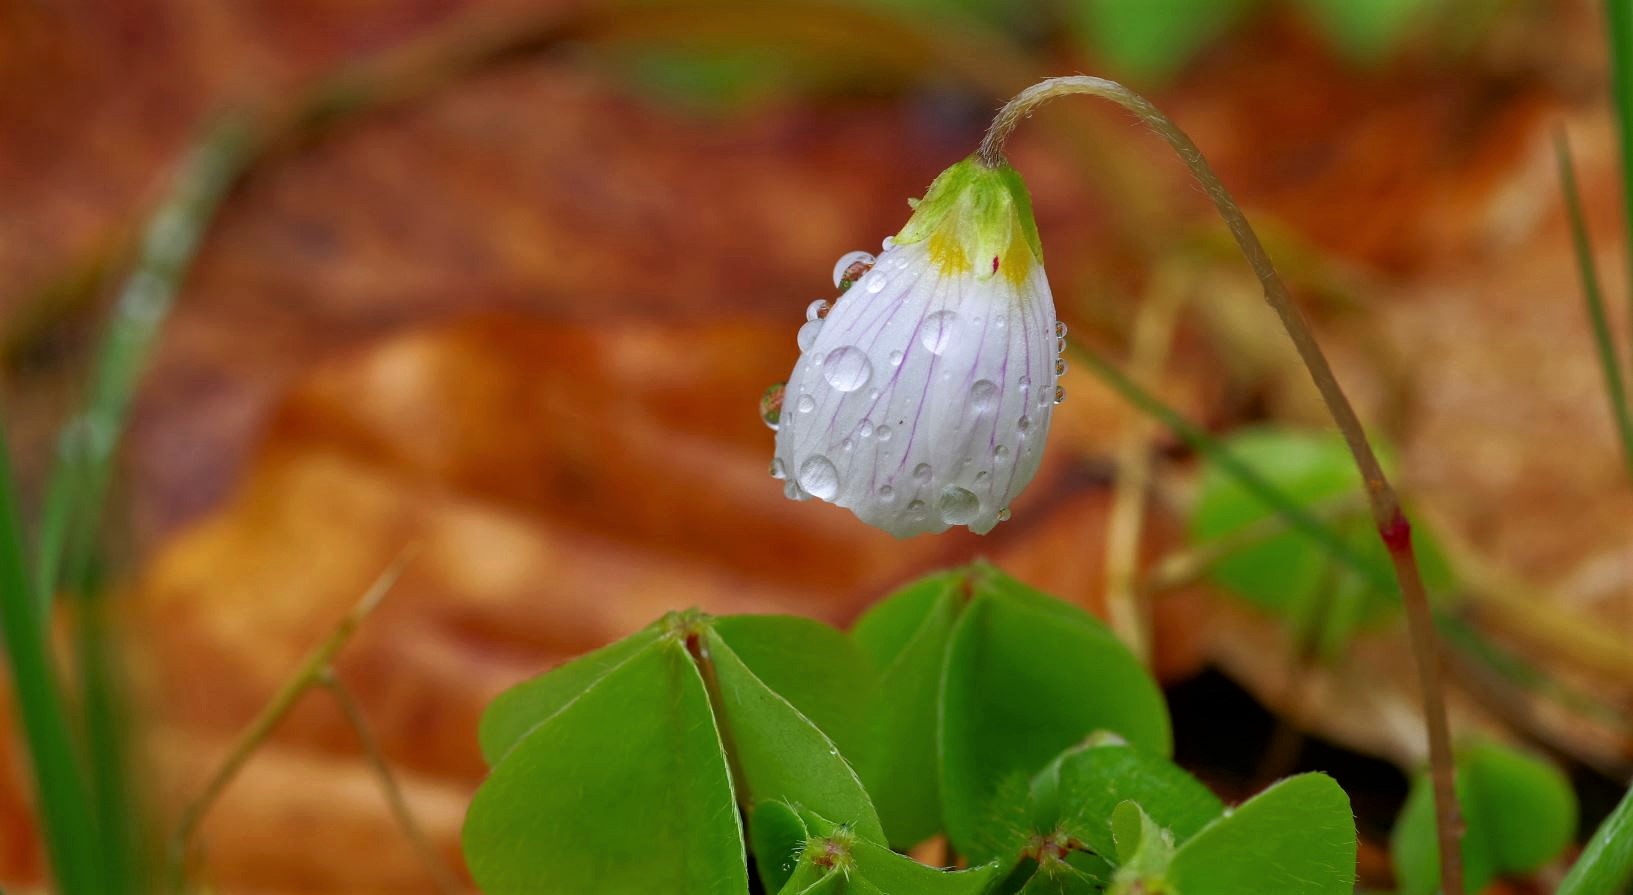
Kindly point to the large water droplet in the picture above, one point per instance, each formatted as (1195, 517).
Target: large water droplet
(883, 433)
(958, 505)
(818, 476)
(777, 469)
(921, 472)
(851, 266)
(847, 369)
(771, 404)
(1060, 366)
(876, 281)
(1060, 329)
(1060, 394)
(889, 243)
(983, 396)
(937, 331)
(817, 310)
(808, 333)
(806, 404)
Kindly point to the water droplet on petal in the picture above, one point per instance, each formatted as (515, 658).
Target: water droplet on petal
(771, 404)
(1003, 514)
(876, 281)
(1060, 346)
(887, 493)
(1060, 329)
(958, 505)
(847, 444)
(895, 358)
(818, 476)
(982, 476)
(883, 433)
(847, 369)
(921, 472)
(1000, 453)
(817, 310)
(790, 491)
(1025, 382)
(1024, 424)
(808, 333)
(851, 266)
(865, 429)
(937, 331)
(917, 509)
(983, 396)
(1060, 366)
(806, 404)
(889, 243)
(1060, 394)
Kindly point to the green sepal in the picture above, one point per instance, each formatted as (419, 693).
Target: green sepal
(975, 215)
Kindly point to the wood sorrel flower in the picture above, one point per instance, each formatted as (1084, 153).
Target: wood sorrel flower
(922, 400)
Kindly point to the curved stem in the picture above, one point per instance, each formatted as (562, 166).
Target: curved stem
(1393, 527)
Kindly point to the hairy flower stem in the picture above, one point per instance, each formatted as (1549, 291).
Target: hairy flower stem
(1391, 522)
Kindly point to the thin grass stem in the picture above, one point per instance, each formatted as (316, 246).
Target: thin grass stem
(1610, 363)
(66, 818)
(306, 676)
(441, 874)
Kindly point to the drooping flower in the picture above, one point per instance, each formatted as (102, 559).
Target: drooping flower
(922, 399)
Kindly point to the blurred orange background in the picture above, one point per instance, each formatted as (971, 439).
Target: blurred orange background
(517, 309)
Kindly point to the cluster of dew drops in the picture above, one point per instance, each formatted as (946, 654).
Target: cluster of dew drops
(847, 374)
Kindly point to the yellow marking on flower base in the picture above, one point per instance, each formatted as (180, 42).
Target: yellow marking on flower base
(977, 220)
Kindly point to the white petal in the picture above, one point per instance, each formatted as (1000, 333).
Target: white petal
(924, 400)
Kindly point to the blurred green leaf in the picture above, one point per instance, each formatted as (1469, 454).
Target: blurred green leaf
(813, 666)
(1096, 779)
(1295, 838)
(1153, 39)
(517, 710)
(779, 753)
(906, 637)
(624, 789)
(1519, 814)
(1291, 574)
(1026, 677)
(776, 837)
(1365, 30)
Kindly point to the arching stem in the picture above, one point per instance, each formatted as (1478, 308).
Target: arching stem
(1392, 525)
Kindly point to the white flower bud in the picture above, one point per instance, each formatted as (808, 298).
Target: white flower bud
(924, 398)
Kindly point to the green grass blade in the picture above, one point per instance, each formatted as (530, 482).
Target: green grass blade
(1609, 362)
(64, 805)
(1606, 864)
(78, 483)
(1619, 22)
(1298, 516)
